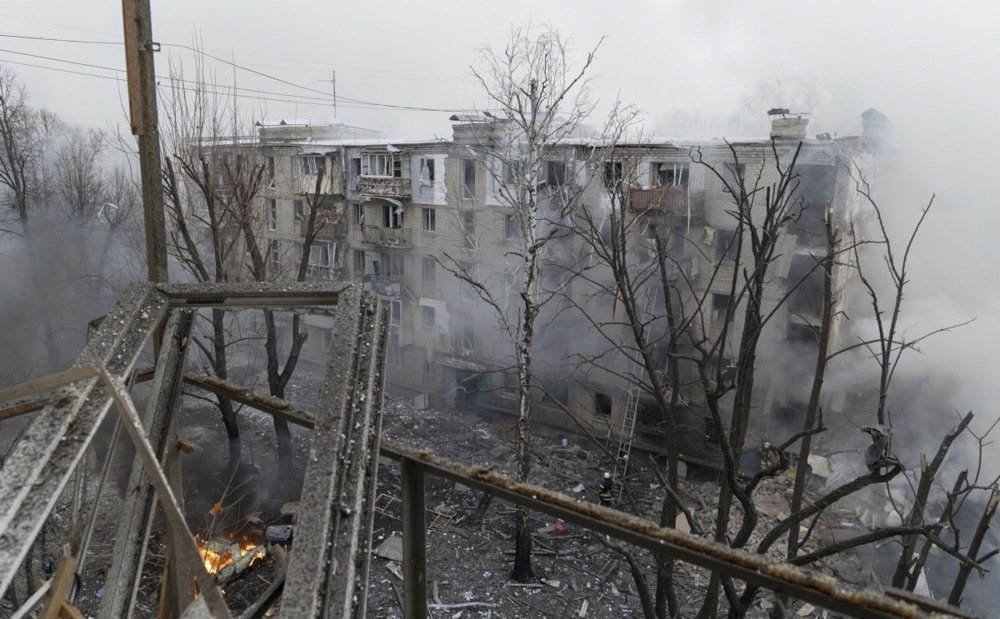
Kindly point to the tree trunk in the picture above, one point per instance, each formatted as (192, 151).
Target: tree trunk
(220, 366)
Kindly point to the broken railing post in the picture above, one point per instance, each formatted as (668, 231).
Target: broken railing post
(414, 540)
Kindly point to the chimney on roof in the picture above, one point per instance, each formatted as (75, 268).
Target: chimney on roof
(875, 127)
(787, 126)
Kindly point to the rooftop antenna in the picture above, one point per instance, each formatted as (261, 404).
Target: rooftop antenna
(333, 84)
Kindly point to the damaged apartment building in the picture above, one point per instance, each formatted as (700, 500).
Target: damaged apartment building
(401, 212)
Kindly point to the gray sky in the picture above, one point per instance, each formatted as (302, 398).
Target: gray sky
(931, 67)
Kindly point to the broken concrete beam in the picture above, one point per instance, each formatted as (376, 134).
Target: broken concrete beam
(43, 460)
(328, 570)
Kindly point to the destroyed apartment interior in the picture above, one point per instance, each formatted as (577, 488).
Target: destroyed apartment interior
(546, 366)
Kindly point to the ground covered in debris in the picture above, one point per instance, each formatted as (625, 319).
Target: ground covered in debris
(470, 554)
(470, 544)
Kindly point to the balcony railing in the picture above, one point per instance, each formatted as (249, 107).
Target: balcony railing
(658, 199)
(383, 187)
(384, 285)
(314, 271)
(387, 237)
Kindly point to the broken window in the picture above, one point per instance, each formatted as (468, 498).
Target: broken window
(613, 174)
(270, 170)
(428, 314)
(430, 223)
(300, 209)
(727, 246)
(670, 174)
(429, 268)
(469, 179)
(355, 166)
(392, 216)
(378, 164)
(468, 229)
(510, 230)
(602, 404)
(720, 306)
(555, 173)
(426, 171)
(359, 215)
(322, 253)
(272, 214)
(313, 164)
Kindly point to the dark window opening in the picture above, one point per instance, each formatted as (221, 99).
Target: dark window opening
(613, 174)
(427, 171)
(720, 306)
(392, 216)
(727, 245)
(602, 404)
(670, 174)
(555, 173)
(648, 415)
(469, 179)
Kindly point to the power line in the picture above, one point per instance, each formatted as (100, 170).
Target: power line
(164, 92)
(57, 40)
(359, 103)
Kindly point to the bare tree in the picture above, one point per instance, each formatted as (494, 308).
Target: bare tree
(541, 98)
(321, 213)
(80, 179)
(208, 181)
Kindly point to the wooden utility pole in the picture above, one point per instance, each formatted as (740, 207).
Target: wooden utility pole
(139, 49)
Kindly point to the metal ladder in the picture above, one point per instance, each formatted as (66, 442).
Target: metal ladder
(631, 417)
(625, 440)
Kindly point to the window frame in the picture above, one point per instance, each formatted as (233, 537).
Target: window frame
(429, 217)
(272, 215)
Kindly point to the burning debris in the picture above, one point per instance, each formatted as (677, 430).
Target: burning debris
(228, 557)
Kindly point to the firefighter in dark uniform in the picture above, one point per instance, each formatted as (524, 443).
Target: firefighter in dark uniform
(605, 493)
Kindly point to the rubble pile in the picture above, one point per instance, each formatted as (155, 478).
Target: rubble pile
(470, 548)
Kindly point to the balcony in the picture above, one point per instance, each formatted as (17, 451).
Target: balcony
(658, 199)
(383, 187)
(386, 237)
(323, 272)
(384, 285)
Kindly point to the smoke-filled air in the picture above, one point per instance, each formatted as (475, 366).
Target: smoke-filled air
(499, 310)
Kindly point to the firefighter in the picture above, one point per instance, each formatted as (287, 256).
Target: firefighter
(606, 487)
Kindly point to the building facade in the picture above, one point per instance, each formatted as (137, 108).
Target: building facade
(404, 216)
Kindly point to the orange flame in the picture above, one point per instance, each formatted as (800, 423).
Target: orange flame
(217, 553)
